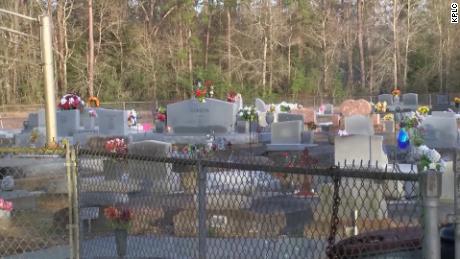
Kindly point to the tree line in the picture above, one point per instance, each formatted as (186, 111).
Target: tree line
(156, 49)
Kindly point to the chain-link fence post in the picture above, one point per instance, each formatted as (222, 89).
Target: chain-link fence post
(75, 203)
(456, 165)
(69, 170)
(431, 191)
(202, 229)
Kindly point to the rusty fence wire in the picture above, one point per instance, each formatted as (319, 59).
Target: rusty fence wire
(34, 203)
(209, 207)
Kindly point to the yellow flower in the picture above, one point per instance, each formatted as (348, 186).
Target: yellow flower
(423, 110)
(457, 99)
(388, 117)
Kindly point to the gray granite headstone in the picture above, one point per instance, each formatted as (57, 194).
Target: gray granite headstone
(112, 122)
(289, 117)
(260, 105)
(41, 118)
(385, 98)
(410, 101)
(31, 122)
(288, 132)
(68, 122)
(194, 117)
(440, 132)
(359, 125)
(88, 122)
(443, 114)
(442, 99)
(328, 108)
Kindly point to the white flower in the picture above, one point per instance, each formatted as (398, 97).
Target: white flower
(433, 166)
(63, 101)
(420, 151)
(343, 133)
(433, 155)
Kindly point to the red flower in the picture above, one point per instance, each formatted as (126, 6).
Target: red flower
(231, 96)
(111, 213)
(161, 116)
(200, 93)
(125, 215)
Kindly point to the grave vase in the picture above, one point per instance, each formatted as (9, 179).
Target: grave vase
(269, 118)
(242, 126)
(159, 126)
(121, 241)
(252, 126)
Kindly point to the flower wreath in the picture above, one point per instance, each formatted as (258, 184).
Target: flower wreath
(93, 101)
(70, 102)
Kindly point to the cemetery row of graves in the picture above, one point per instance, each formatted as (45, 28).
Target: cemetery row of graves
(226, 178)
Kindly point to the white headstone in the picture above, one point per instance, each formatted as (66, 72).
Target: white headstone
(359, 125)
(360, 148)
(112, 122)
(260, 105)
(194, 117)
(68, 122)
(288, 132)
(440, 132)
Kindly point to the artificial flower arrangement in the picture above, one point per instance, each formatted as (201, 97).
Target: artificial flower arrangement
(272, 108)
(457, 102)
(423, 110)
(396, 92)
(71, 102)
(116, 146)
(6, 205)
(248, 113)
(119, 218)
(231, 96)
(200, 93)
(297, 160)
(132, 118)
(381, 106)
(389, 117)
(161, 114)
(93, 101)
(428, 159)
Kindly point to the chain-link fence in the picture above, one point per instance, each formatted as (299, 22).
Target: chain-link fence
(34, 203)
(209, 207)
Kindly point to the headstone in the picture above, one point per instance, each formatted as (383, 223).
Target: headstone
(193, 117)
(22, 200)
(288, 132)
(290, 117)
(440, 132)
(385, 98)
(355, 107)
(442, 99)
(31, 122)
(158, 175)
(328, 108)
(68, 122)
(359, 148)
(443, 114)
(112, 122)
(309, 115)
(7, 183)
(260, 105)
(359, 125)
(239, 102)
(41, 118)
(410, 101)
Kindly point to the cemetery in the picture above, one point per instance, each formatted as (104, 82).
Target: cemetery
(229, 129)
(164, 198)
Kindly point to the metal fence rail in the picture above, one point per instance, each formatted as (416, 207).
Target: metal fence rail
(189, 207)
(37, 222)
